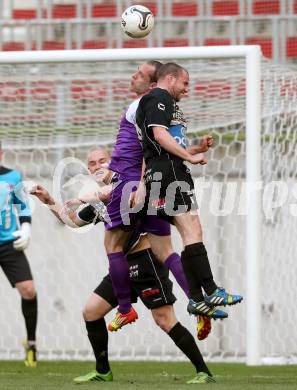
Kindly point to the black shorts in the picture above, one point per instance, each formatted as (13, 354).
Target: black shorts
(14, 264)
(170, 188)
(149, 282)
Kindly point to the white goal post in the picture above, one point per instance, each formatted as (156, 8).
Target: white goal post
(251, 55)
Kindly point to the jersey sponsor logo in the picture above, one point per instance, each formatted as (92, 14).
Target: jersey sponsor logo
(178, 132)
(161, 106)
(178, 127)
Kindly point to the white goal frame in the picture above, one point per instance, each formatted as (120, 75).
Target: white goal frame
(252, 56)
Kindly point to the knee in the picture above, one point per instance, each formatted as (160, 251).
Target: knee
(113, 245)
(88, 313)
(163, 322)
(165, 253)
(28, 291)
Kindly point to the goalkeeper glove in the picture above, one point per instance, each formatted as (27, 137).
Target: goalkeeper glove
(22, 237)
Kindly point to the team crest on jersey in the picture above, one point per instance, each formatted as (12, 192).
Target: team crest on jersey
(161, 106)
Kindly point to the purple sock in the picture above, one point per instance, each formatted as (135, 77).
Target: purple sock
(174, 264)
(119, 273)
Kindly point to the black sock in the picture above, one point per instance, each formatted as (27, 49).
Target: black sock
(29, 309)
(98, 336)
(197, 270)
(186, 343)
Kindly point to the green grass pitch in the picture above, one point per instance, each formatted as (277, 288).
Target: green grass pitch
(145, 376)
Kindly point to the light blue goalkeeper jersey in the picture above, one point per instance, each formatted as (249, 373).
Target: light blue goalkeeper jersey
(14, 205)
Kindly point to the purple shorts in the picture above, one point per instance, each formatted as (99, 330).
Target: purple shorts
(119, 212)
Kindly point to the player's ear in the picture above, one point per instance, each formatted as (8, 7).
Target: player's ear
(152, 85)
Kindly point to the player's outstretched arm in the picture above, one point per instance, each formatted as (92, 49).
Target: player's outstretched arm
(45, 197)
(91, 198)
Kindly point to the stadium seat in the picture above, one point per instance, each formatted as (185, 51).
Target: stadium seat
(53, 45)
(291, 47)
(151, 5)
(213, 89)
(295, 7)
(64, 11)
(13, 46)
(94, 44)
(265, 43)
(134, 43)
(87, 90)
(176, 42)
(185, 9)
(225, 8)
(24, 13)
(266, 7)
(104, 10)
(217, 42)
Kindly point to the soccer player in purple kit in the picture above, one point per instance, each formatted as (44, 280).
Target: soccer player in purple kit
(126, 162)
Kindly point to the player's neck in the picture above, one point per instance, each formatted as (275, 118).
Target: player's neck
(162, 85)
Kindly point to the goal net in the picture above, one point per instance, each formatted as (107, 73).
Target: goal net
(52, 113)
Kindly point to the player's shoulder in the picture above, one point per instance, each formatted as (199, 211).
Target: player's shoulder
(12, 173)
(157, 95)
(131, 111)
(162, 94)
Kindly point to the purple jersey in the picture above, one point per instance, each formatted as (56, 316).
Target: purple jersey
(126, 158)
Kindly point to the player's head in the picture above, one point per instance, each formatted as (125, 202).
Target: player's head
(175, 79)
(145, 78)
(98, 159)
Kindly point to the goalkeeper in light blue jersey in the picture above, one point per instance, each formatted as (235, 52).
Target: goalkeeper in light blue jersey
(15, 231)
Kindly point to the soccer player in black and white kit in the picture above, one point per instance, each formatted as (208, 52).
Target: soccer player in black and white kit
(15, 232)
(170, 188)
(149, 282)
